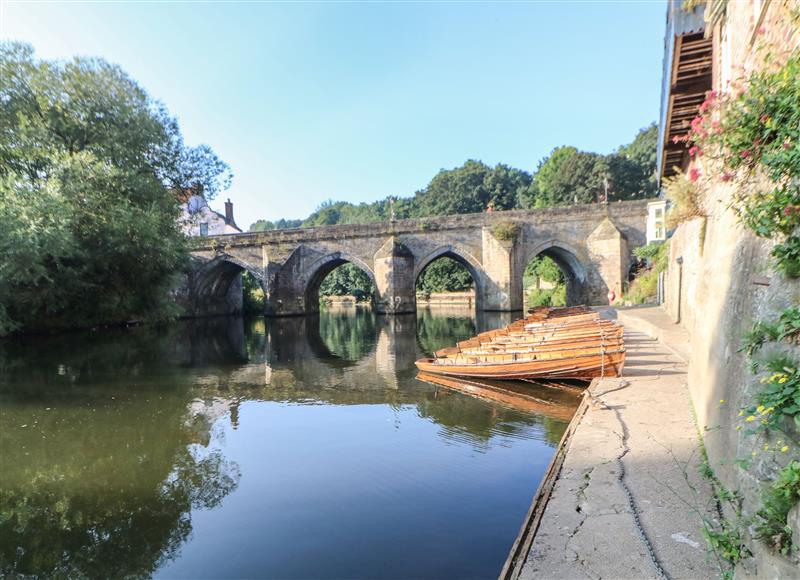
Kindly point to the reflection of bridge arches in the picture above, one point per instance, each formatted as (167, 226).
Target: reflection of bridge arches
(566, 259)
(469, 262)
(318, 270)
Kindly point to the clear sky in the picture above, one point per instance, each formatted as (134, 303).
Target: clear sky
(359, 100)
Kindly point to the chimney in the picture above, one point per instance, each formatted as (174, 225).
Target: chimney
(229, 212)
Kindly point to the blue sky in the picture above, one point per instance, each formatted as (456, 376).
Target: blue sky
(356, 101)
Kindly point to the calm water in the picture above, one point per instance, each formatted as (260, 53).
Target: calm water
(293, 448)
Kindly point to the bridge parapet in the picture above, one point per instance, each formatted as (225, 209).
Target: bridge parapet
(589, 242)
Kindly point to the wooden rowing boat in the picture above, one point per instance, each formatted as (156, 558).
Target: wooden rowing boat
(572, 343)
(584, 366)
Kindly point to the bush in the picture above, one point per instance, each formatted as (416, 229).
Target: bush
(550, 297)
(779, 498)
(252, 295)
(506, 231)
(686, 200)
(643, 287)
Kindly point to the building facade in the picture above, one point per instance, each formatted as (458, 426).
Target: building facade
(198, 219)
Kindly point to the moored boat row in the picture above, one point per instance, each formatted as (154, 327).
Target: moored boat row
(550, 343)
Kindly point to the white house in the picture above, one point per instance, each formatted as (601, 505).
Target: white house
(198, 219)
(656, 221)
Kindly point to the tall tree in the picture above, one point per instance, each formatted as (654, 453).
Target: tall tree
(471, 188)
(88, 172)
(568, 176)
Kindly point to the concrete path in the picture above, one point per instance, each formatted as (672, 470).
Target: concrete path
(643, 424)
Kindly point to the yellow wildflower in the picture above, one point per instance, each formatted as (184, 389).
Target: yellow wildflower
(784, 449)
(741, 413)
(783, 379)
(722, 401)
(750, 419)
(760, 408)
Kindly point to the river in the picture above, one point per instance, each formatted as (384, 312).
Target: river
(278, 448)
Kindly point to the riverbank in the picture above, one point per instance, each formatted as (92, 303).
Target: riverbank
(628, 501)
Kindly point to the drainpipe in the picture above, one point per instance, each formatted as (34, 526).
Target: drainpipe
(680, 287)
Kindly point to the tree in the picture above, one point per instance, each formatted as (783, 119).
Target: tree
(633, 166)
(266, 225)
(471, 188)
(444, 275)
(569, 176)
(348, 280)
(89, 164)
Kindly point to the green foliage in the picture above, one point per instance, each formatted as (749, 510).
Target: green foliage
(89, 167)
(778, 500)
(755, 338)
(755, 135)
(348, 280)
(780, 396)
(645, 285)
(570, 176)
(726, 542)
(281, 224)
(548, 297)
(252, 295)
(471, 188)
(506, 231)
(649, 251)
(786, 328)
(543, 268)
(444, 275)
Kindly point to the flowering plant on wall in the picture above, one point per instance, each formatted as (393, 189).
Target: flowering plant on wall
(753, 136)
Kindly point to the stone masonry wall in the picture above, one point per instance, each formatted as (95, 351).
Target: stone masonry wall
(725, 283)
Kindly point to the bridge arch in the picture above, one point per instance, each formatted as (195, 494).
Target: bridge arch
(566, 258)
(217, 283)
(473, 266)
(319, 269)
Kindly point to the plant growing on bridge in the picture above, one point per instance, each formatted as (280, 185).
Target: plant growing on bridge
(506, 231)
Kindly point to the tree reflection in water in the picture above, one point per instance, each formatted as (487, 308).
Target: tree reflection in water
(108, 439)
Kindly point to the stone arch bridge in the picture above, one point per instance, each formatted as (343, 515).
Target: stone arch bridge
(590, 243)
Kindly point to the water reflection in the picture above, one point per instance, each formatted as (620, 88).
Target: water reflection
(227, 447)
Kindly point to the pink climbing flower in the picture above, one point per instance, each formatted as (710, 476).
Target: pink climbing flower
(726, 176)
(694, 150)
(745, 154)
(694, 174)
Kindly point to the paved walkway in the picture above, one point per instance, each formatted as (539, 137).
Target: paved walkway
(643, 424)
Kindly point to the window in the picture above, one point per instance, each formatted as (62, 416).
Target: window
(204, 229)
(659, 232)
(659, 213)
